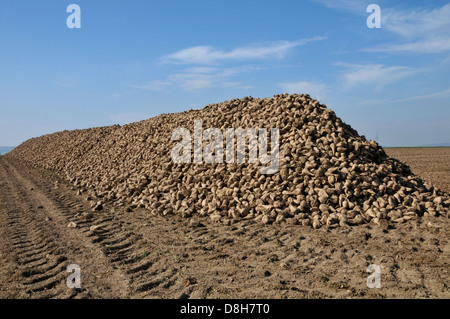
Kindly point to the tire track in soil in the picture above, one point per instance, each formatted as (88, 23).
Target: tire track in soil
(141, 255)
(117, 249)
(146, 275)
(38, 246)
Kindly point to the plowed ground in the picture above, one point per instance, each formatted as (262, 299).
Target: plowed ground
(138, 255)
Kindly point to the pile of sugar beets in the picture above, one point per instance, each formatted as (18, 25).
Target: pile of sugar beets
(328, 175)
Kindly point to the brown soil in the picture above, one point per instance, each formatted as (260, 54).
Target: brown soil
(137, 255)
(431, 164)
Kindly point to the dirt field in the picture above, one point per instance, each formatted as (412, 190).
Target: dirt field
(137, 255)
(432, 164)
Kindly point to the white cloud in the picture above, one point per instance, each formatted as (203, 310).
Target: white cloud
(369, 102)
(201, 69)
(418, 22)
(314, 89)
(193, 81)
(426, 31)
(421, 97)
(377, 75)
(428, 45)
(412, 24)
(355, 6)
(210, 55)
(153, 86)
(205, 74)
(197, 78)
(201, 78)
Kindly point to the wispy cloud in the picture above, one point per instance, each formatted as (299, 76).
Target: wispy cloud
(445, 61)
(197, 78)
(363, 102)
(425, 31)
(355, 6)
(428, 45)
(207, 65)
(417, 22)
(422, 30)
(210, 55)
(374, 74)
(153, 86)
(194, 80)
(314, 89)
(206, 77)
(421, 97)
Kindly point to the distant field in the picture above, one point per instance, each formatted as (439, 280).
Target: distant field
(430, 163)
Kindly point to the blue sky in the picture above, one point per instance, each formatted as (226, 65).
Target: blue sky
(132, 60)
